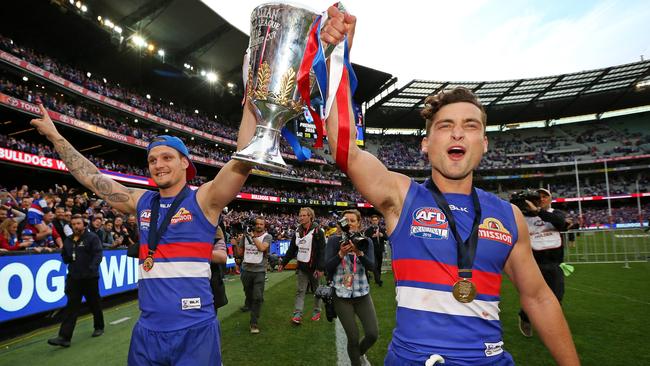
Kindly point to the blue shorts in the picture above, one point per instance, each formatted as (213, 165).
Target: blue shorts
(505, 359)
(194, 346)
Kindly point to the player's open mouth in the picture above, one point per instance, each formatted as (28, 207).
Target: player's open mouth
(456, 152)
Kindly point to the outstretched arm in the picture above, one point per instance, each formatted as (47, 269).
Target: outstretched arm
(85, 172)
(538, 300)
(213, 196)
(384, 189)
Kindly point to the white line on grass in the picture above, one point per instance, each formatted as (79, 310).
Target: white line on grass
(118, 321)
(608, 293)
(342, 358)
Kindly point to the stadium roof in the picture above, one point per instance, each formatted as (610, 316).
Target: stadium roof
(191, 32)
(510, 101)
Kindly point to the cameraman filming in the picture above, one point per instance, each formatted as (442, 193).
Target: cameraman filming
(348, 256)
(545, 225)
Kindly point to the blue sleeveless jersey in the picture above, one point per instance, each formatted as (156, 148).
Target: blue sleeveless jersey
(175, 293)
(429, 319)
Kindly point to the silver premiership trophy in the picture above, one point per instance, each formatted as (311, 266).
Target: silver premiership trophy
(278, 39)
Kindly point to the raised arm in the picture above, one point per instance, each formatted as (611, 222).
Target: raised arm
(384, 189)
(538, 300)
(213, 196)
(85, 172)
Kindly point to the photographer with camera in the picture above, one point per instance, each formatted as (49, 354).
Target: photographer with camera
(254, 248)
(378, 236)
(544, 226)
(349, 255)
(308, 247)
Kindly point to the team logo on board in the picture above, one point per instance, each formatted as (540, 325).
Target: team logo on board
(183, 215)
(429, 223)
(493, 229)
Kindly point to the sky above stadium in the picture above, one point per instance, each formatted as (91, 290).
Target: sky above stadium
(484, 40)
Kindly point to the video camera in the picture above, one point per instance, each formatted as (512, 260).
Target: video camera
(519, 199)
(360, 242)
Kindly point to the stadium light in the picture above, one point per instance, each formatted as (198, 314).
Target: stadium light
(231, 85)
(192, 137)
(138, 40)
(25, 78)
(71, 2)
(78, 4)
(88, 74)
(196, 111)
(104, 79)
(118, 30)
(211, 76)
(99, 18)
(135, 120)
(151, 47)
(202, 72)
(148, 96)
(171, 103)
(166, 129)
(108, 23)
(161, 52)
(84, 8)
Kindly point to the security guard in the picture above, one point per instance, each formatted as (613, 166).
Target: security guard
(82, 252)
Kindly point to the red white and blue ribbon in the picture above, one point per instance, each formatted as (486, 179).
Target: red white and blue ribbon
(331, 89)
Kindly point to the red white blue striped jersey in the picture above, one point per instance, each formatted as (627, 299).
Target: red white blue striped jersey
(175, 293)
(429, 319)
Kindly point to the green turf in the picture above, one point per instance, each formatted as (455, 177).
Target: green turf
(606, 306)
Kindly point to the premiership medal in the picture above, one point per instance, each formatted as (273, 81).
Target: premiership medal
(147, 265)
(464, 291)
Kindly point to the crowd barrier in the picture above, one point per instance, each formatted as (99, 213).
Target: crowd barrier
(607, 246)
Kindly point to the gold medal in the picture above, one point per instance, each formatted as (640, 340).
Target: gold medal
(464, 291)
(147, 265)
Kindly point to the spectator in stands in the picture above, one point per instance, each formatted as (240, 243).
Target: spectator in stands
(254, 249)
(308, 247)
(82, 253)
(132, 229)
(9, 240)
(61, 225)
(120, 233)
(97, 227)
(186, 315)
(346, 267)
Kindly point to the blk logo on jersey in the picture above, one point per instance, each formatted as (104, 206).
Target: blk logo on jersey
(183, 215)
(493, 229)
(145, 219)
(429, 223)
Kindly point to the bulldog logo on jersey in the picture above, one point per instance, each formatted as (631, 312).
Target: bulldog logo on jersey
(183, 215)
(429, 223)
(493, 229)
(145, 219)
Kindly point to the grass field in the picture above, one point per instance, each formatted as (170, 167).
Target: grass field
(606, 305)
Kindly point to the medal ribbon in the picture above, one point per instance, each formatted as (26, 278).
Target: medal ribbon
(467, 249)
(156, 232)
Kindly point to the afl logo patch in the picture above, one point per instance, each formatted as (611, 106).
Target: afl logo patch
(145, 219)
(429, 223)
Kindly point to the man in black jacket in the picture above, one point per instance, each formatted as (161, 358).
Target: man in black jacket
(308, 247)
(378, 236)
(545, 225)
(82, 252)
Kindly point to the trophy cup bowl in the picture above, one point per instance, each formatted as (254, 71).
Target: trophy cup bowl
(278, 39)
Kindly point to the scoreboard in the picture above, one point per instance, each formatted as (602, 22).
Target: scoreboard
(304, 126)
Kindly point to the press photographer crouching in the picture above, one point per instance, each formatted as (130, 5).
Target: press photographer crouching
(544, 227)
(349, 254)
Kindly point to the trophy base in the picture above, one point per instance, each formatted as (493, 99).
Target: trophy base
(264, 150)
